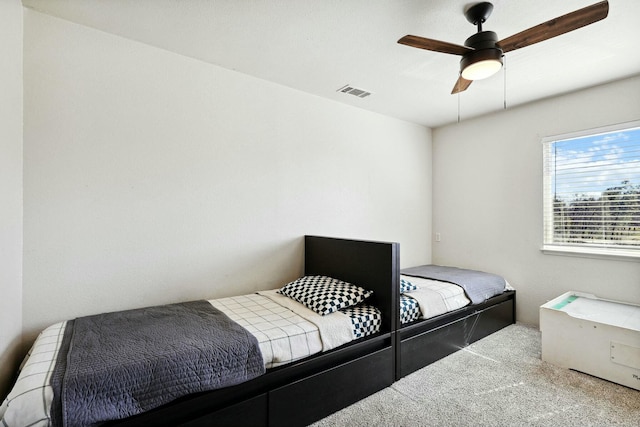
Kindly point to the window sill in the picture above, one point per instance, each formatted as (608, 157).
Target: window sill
(602, 253)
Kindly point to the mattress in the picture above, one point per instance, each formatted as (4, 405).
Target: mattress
(431, 298)
(286, 331)
(478, 286)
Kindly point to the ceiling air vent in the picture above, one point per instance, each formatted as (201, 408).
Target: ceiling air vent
(360, 93)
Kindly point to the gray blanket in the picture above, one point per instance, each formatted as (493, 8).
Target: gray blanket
(478, 286)
(116, 365)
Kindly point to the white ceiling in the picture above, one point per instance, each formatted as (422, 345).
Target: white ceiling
(317, 46)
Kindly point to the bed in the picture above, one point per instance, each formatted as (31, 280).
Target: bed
(438, 317)
(296, 389)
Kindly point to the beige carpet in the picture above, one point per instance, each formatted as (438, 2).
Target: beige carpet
(498, 381)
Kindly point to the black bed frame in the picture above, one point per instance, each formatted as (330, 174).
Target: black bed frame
(308, 390)
(423, 342)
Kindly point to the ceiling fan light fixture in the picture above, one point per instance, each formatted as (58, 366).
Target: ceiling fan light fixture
(481, 64)
(482, 69)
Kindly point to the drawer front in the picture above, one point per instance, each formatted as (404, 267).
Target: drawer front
(492, 320)
(251, 413)
(422, 350)
(317, 396)
(427, 347)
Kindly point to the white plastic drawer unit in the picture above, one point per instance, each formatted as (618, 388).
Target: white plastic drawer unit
(592, 335)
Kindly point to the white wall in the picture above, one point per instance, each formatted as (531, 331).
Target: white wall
(151, 177)
(487, 199)
(10, 189)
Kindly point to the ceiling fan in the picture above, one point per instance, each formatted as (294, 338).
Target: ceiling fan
(482, 52)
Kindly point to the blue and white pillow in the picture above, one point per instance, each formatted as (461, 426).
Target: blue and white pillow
(323, 294)
(406, 286)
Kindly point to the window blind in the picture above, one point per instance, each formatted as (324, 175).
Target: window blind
(592, 190)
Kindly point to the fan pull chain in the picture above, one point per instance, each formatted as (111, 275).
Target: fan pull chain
(504, 65)
(458, 107)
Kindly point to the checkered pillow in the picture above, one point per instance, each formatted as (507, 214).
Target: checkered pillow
(323, 294)
(406, 286)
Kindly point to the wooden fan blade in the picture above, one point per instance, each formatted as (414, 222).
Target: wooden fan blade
(461, 85)
(555, 27)
(434, 45)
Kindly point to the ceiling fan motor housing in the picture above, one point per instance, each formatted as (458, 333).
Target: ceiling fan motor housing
(482, 40)
(485, 48)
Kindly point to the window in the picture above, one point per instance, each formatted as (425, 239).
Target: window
(592, 192)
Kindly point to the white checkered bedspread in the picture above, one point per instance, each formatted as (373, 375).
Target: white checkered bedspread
(283, 335)
(435, 297)
(29, 402)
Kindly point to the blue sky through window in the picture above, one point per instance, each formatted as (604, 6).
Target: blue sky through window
(590, 165)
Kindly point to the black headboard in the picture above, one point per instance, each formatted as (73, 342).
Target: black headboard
(372, 265)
